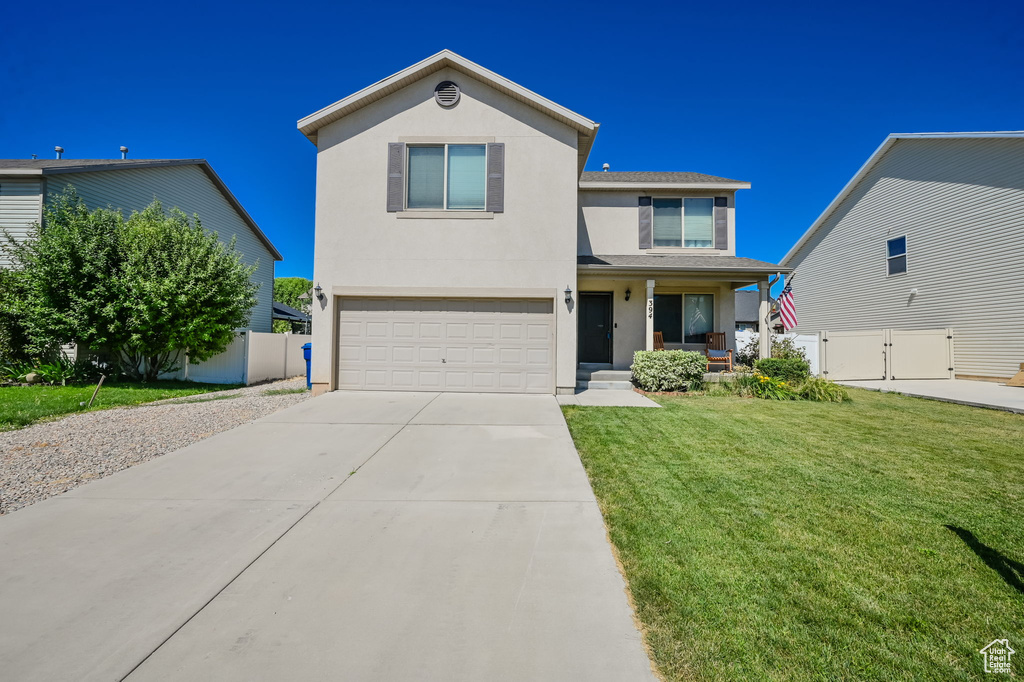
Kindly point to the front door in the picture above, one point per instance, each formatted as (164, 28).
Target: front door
(595, 330)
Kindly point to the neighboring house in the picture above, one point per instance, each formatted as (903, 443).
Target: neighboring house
(131, 185)
(461, 247)
(298, 320)
(747, 311)
(929, 234)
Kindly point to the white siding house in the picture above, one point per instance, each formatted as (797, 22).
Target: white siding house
(131, 185)
(928, 235)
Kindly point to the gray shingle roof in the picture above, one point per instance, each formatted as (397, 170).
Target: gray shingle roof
(283, 311)
(680, 262)
(747, 305)
(652, 177)
(38, 167)
(64, 164)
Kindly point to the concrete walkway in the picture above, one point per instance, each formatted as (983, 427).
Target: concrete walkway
(357, 536)
(596, 397)
(962, 391)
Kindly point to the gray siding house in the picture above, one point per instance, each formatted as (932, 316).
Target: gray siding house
(131, 185)
(460, 246)
(929, 234)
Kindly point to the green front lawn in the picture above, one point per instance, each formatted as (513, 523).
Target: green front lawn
(878, 539)
(23, 405)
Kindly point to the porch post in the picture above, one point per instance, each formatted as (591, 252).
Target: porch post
(649, 343)
(764, 323)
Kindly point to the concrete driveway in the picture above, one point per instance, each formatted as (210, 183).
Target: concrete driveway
(363, 536)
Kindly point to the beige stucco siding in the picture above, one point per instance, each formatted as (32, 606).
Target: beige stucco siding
(186, 187)
(20, 208)
(531, 245)
(628, 317)
(607, 222)
(960, 203)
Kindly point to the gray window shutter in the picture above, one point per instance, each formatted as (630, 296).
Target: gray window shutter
(396, 176)
(722, 223)
(496, 177)
(646, 223)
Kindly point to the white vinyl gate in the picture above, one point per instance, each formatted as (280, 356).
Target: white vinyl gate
(881, 354)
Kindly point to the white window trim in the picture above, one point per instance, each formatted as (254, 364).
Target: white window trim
(904, 255)
(682, 226)
(444, 178)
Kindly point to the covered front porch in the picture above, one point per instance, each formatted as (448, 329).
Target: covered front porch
(622, 303)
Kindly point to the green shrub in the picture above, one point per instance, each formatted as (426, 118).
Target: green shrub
(668, 370)
(791, 370)
(822, 391)
(770, 388)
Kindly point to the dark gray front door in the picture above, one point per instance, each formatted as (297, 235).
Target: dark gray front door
(595, 327)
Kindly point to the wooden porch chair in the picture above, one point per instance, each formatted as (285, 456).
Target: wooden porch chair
(716, 352)
(659, 341)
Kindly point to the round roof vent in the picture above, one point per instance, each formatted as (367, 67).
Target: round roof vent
(447, 93)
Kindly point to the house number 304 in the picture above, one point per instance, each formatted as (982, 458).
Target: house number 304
(650, 308)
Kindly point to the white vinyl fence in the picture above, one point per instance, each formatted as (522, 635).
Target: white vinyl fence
(888, 354)
(809, 342)
(252, 357)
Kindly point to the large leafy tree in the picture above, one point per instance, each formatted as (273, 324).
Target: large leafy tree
(185, 290)
(145, 290)
(287, 290)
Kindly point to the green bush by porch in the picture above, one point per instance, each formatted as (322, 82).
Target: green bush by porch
(668, 370)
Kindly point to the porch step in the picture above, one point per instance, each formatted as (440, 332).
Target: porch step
(604, 375)
(605, 385)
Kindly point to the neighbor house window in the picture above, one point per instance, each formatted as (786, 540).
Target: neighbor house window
(685, 222)
(896, 255)
(447, 177)
(684, 318)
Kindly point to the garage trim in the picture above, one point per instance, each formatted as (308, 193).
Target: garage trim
(339, 293)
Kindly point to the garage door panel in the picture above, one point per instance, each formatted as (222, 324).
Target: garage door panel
(446, 344)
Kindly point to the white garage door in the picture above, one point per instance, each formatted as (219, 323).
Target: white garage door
(446, 344)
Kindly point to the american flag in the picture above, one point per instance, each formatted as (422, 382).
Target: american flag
(787, 306)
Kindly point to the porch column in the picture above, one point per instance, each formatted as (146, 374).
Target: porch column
(649, 344)
(764, 323)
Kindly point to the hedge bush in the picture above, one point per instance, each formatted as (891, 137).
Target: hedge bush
(668, 370)
(822, 391)
(790, 370)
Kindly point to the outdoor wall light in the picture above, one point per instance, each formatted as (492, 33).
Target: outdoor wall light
(319, 291)
(628, 292)
(568, 294)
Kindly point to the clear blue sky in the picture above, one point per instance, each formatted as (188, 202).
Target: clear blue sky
(791, 97)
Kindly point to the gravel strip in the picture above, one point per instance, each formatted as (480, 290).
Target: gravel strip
(47, 459)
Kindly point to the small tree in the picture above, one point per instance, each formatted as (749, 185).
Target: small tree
(186, 291)
(68, 277)
(144, 290)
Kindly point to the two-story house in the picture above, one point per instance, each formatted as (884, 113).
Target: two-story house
(26, 185)
(446, 254)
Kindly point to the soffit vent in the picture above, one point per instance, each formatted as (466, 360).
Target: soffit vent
(447, 93)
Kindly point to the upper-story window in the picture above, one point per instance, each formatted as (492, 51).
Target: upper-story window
(896, 255)
(687, 222)
(447, 177)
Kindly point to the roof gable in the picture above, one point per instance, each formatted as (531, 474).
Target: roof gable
(873, 161)
(37, 167)
(586, 129)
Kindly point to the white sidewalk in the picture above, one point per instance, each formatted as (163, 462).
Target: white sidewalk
(974, 393)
